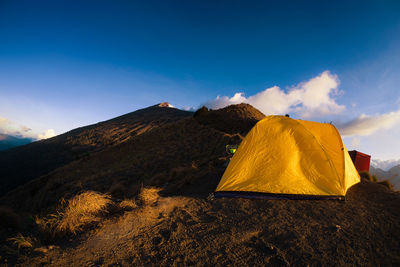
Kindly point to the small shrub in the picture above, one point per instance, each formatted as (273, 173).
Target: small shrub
(21, 242)
(367, 176)
(149, 196)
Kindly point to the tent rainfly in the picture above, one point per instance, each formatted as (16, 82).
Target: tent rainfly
(291, 159)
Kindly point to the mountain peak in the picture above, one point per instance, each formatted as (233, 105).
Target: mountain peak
(231, 119)
(165, 105)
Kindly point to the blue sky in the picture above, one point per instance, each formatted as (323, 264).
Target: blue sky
(65, 64)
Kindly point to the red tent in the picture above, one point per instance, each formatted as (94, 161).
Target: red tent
(360, 160)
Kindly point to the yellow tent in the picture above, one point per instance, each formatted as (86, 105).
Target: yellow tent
(287, 158)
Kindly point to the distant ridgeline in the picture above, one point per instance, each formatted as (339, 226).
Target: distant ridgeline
(8, 141)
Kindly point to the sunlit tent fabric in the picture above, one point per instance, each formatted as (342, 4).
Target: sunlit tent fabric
(290, 158)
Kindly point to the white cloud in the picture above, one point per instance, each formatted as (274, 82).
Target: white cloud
(187, 108)
(47, 134)
(385, 164)
(4, 125)
(313, 98)
(26, 129)
(367, 125)
(10, 128)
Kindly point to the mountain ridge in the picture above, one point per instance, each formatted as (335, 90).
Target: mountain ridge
(24, 163)
(136, 160)
(9, 141)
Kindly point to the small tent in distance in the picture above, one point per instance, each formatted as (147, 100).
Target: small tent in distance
(361, 161)
(287, 158)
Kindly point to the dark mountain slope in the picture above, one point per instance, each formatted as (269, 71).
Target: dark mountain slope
(183, 157)
(22, 164)
(176, 156)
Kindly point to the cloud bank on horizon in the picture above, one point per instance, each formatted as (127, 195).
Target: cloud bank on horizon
(311, 99)
(367, 125)
(8, 127)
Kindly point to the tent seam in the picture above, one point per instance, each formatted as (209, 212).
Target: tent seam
(344, 162)
(326, 154)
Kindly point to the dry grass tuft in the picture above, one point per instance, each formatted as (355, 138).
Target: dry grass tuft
(83, 210)
(149, 196)
(21, 241)
(365, 175)
(8, 218)
(128, 204)
(79, 212)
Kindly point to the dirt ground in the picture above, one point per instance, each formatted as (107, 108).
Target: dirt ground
(364, 230)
